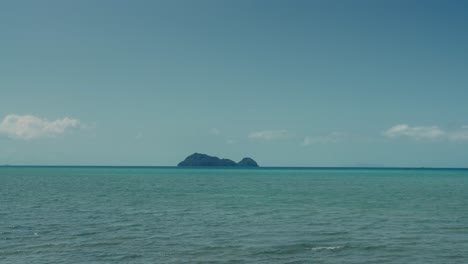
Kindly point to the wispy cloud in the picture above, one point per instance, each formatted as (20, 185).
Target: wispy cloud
(426, 132)
(215, 131)
(230, 141)
(332, 137)
(416, 132)
(28, 127)
(268, 135)
(459, 135)
(139, 135)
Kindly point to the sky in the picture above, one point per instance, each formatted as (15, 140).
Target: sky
(288, 83)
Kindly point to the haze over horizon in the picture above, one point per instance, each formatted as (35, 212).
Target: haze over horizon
(288, 83)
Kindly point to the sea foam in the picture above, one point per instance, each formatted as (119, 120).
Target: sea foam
(326, 248)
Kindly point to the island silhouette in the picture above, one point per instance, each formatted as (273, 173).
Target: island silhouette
(203, 160)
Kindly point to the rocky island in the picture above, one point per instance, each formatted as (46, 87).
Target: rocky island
(203, 160)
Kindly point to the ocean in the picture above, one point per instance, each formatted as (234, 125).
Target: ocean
(266, 215)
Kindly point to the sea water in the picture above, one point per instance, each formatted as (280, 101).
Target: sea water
(174, 215)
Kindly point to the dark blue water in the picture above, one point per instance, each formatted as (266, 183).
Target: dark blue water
(163, 215)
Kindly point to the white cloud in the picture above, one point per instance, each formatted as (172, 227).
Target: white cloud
(139, 135)
(268, 135)
(215, 131)
(30, 127)
(416, 132)
(459, 135)
(427, 132)
(333, 137)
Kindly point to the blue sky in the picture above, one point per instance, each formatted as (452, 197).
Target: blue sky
(289, 83)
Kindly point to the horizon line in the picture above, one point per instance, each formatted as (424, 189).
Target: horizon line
(221, 167)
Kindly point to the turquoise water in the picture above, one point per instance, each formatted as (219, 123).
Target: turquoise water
(169, 215)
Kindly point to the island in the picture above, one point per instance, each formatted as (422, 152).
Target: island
(203, 160)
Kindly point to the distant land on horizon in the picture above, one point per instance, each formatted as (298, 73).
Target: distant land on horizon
(203, 160)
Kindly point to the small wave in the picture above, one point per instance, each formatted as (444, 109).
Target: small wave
(12, 252)
(129, 257)
(90, 233)
(97, 244)
(326, 248)
(46, 246)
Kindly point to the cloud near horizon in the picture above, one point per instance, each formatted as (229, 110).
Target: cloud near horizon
(332, 137)
(426, 132)
(459, 135)
(215, 131)
(27, 127)
(416, 132)
(268, 135)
